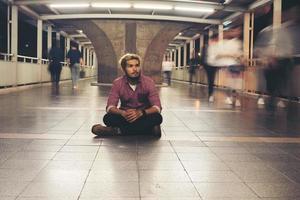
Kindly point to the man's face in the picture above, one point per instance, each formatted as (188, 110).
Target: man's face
(133, 69)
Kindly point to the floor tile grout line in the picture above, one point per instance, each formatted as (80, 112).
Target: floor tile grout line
(191, 181)
(242, 181)
(89, 172)
(138, 168)
(186, 125)
(48, 161)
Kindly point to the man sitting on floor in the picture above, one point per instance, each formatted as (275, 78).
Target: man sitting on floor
(140, 108)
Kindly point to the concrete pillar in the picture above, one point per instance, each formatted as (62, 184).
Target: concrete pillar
(83, 56)
(14, 32)
(220, 31)
(192, 47)
(95, 64)
(87, 56)
(39, 40)
(201, 42)
(277, 5)
(14, 43)
(184, 54)
(179, 56)
(67, 44)
(8, 29)
(58, 40)
(246, 31)
(49, 37)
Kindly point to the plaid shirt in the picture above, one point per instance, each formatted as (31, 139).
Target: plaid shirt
(144, 96)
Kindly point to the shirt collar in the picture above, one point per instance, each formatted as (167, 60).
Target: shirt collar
(126, 79)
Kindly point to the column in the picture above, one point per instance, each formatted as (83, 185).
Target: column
(277, 5)
(83, 56)
(88, 56)
(179, 56)
(184, 54)
(49, 37)
(248, 35)
(67, 44)
(95, 60)
(58, 40)
(210, 33)
(39, 40)
(201, 42)
(192, 48)
(220, 31)
(14, 33)
(8, 28)
(14, 43)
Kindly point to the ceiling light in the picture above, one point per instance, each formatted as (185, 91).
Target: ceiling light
(153, 7)
(111, 5)
(208, 10)
(79, 5)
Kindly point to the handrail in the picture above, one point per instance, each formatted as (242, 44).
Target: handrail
(27, 58)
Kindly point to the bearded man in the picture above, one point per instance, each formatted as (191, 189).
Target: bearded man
(139, 111)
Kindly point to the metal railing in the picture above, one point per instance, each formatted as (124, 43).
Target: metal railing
(27, 59)
(6, 56)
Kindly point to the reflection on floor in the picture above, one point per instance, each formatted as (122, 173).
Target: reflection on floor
(208, 151)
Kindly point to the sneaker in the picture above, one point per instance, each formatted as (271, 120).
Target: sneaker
(156, 131)
(228, 101)
(281, 104)
(99, 130)
(211, 99)
(237, 103)
(260, 101)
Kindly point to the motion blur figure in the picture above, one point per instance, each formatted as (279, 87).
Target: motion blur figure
(277, 48)
(207, 61)
(193, 65)
(55, 67)
(167, 67)
(228, 54)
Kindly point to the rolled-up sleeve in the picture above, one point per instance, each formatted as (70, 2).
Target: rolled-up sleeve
(153, 96)
(114, 96)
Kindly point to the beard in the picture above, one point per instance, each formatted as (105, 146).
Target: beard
(133, 79)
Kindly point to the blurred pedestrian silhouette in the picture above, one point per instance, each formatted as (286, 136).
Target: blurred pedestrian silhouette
(193, 65)
(55, 66)
(277, 47)
(75, 61)
(167, 66)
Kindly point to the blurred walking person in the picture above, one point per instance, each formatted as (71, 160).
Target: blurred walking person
(55, 66)
(167, 66)
(75, 61)
(209, 69)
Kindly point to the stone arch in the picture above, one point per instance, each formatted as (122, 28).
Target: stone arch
(106, 56)
(154, 53)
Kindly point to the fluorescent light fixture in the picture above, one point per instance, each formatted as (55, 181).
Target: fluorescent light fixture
(190, 9)
(111, 5)
(79, 5)
(227, 23)
(153, 6)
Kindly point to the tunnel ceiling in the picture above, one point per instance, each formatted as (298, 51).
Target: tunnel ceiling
(215, 12)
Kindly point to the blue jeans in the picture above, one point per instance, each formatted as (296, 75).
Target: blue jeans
(75, 69)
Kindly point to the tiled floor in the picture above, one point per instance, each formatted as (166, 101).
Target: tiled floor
(207, 151)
